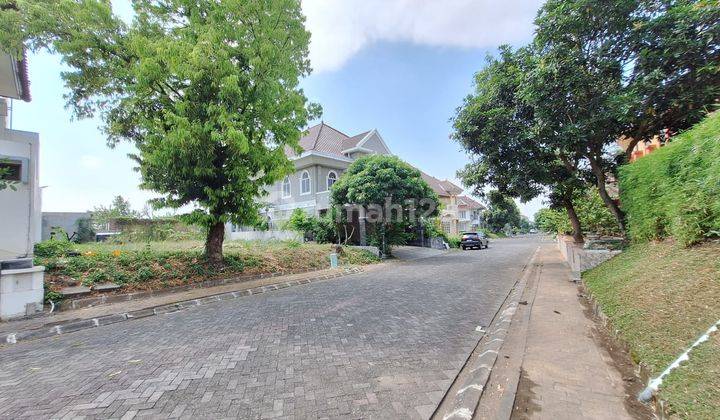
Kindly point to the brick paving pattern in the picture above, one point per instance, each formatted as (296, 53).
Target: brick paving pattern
(382, 344)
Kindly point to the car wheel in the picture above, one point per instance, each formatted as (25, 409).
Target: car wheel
(464, 248)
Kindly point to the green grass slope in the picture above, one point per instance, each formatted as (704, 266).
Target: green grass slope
(675, 191)
(661, 298)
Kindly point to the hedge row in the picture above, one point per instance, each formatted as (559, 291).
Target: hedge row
(675, 191)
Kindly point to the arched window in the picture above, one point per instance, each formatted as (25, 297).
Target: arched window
(331, 179)
(305, 183)
(286, 187)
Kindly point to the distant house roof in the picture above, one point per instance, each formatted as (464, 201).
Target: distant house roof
(24, 78)
(326, 139)
(14, 80)
(468, 202)
(443, 188)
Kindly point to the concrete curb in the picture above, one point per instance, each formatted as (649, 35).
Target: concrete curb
(83, 324)
(642, 373)
(91, 301)
(463, 397)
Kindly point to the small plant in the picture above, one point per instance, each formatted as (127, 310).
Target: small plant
(53, 248)
(453, 241)
(144, 273)
(51, 295)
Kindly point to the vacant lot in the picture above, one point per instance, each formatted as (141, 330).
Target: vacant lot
(154, 265)
(661, 298)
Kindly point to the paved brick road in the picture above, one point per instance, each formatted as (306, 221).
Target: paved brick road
(383, 344)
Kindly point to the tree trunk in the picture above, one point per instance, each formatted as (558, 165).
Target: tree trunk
(609, 202)
(574, 220)
(629, 149)
(214, 243)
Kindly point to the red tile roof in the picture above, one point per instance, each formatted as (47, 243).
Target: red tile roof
(443, 188)
(326, 139)
(466, 201)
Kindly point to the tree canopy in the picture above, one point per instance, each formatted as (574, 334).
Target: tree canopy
(392, 194)
(546, 118)
(502, 213)
(498, 127)
(206, 91)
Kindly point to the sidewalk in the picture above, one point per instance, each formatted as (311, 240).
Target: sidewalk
(566, 373)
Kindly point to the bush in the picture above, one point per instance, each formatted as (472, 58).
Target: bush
(594, 216)
(453, 241)
(675, 191)
(318, 229)
(53, 248)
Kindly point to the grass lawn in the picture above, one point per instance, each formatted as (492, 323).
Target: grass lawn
(156, 265)
(661, 298)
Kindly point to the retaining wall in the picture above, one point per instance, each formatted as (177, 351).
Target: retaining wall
(580, 259)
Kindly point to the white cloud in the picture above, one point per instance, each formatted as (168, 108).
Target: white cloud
(90, 162)
(341, 28)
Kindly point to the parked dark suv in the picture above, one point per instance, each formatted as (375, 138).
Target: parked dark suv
(473, 240)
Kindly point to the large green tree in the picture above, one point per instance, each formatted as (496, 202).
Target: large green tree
(675, 77)
(207, 91)
(501, 213)
(576, 84)
(120, 207)
(496, 125)
(608, 69)
(393, 196)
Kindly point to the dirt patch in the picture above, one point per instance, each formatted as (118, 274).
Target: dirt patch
(622, 360)
(525, 406)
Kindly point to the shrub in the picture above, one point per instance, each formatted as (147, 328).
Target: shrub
(453, 241)
(51, 295)
(594, 216)
(53, 248)
(318, 229)
(675, 191)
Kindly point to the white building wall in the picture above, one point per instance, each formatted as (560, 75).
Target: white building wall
(20, 210)
(21, 289)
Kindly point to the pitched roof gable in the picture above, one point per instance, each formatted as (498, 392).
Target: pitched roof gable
(464, 200)
(353, 141)
(326, 139)
(443, 188)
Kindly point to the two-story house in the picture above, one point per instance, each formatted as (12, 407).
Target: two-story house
(448, 194)
(326, 154)
(469, 214)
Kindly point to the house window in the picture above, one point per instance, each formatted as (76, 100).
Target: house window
(463, 214)
(10, 170)
(286, 187)
(305, 183)
(331, 179)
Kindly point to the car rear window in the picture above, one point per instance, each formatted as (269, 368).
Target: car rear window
(469, 236)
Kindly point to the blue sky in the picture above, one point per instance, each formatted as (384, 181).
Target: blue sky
(403, 72)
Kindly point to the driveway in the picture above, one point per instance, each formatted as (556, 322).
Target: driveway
(383, 344)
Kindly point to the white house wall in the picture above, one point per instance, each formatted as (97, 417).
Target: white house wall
(20, 214)
(374, 143)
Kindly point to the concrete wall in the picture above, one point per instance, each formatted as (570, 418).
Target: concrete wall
(68, 221)
(580, 259)
(268, 235)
